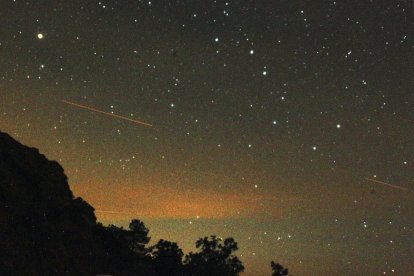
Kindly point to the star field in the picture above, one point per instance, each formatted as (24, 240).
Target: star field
(270, 121)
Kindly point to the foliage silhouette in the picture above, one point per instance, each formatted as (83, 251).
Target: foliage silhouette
(215, 258)
(278, 269)
(167, 258)
(137, 237)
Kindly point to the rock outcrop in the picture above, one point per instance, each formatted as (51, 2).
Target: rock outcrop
(44, 229)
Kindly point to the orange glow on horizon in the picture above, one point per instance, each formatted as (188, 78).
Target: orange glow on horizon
(150, 201)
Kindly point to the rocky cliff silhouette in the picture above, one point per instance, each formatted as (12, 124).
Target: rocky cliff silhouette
(44, 229)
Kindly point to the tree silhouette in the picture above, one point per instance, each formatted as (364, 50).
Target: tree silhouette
(215, 258)
(167, 258)
(278, 269)
(137, 236)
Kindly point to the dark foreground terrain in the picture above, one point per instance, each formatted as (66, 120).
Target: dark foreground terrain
(45, 230)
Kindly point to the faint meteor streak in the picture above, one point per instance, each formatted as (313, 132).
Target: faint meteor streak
(113, 212)
(107, 113)
(389, 185)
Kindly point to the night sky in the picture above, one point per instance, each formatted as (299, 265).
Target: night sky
(288, 125)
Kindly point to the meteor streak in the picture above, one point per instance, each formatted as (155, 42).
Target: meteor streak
(389, 185)
(114, 212)
(107, 113)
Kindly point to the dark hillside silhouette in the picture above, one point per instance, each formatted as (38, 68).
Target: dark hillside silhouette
(42, 225)
(45, 230)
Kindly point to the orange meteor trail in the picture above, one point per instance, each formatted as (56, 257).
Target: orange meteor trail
(389, 185)
(107, 113)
